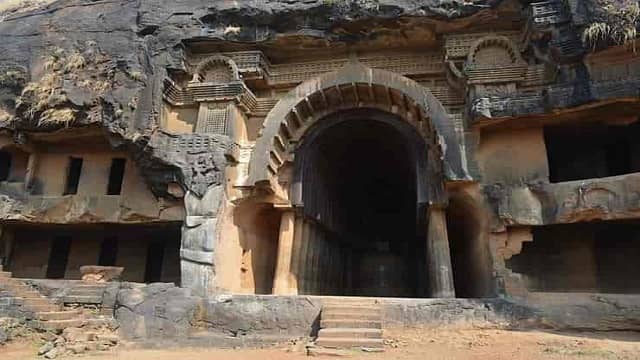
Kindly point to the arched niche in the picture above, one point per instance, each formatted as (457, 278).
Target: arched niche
(355, 87)
(493, 51)
(216, 69)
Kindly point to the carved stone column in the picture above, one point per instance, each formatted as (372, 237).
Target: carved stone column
(296, 263)
(32, 165)
(283, 283)
(439, 267)
(314, 258)
(303, 264)
(199, 241)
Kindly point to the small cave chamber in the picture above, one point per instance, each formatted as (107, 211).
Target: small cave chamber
(603, 151)
(148, 252)
(600, 257)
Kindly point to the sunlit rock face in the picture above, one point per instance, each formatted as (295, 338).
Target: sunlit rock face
(355, 148)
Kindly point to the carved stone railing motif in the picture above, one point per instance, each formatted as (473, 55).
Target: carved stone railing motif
(546, 13)
(550, 32)
(255, 65)
(457, 46)
(553, 97)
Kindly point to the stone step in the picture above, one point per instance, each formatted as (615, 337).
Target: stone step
(330, 315)
(20, 288)
(6, 301)
(350, 343)
(98, 322)
(36, 301)
(350, 333)
(14, 300)
(57, 324)
(5, 275)
(350, 323)
(58, 315)
(89, 287)
(27, 294)
(43, 308)
(353, 308)
(85, 292)
(83, 299)
(350, 302)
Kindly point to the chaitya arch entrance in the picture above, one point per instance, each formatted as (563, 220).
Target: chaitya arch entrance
(358, 160)
(358, 173)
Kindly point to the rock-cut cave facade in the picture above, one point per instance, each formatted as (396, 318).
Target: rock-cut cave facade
(481, 152)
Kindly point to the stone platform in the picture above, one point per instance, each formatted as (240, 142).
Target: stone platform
(161, 313)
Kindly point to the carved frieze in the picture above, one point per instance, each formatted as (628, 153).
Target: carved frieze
(200, 158)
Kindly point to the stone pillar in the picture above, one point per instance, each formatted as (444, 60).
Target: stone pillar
(323, 274)
(333, 268)
(314, 256)
(320, 263)
(32, 165)
(348, 267)
(439, 268)
(330, 281)
(283, 280)
(296, 263)
(199, 240)
(303, 265)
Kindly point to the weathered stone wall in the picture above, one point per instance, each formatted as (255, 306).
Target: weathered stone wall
(512, 156)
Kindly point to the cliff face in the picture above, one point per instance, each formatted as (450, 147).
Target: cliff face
(78, 62)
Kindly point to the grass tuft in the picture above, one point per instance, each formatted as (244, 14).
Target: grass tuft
(615, 21)
(64, 116)
(74, 62)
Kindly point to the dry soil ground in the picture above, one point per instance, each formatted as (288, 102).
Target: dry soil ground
(412, 345)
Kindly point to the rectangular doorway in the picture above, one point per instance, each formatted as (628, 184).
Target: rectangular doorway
(58, 257)
(155, 258)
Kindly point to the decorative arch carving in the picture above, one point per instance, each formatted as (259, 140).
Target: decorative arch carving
(500, 44)
(216, 69)
(354, 86)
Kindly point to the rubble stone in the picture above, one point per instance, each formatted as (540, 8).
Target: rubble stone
(46, 348)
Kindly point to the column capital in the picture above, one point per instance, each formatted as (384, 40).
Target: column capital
(284, 207)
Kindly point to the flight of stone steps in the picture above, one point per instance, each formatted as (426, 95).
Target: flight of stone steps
(41, 313)
(84, 295)
(350, 323)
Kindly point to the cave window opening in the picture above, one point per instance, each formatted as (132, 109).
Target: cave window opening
(584, 257)
(5, 165)
(108, 252)
(592, 151)
(74, 172)
(116, 176)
